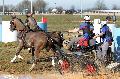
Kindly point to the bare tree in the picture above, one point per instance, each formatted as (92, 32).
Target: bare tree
(100, 5)
(115, 7)
(25, 4)
(1, 8)
(59, 9)
(39, 5)
(7, 8)
(50, 9)
(73, 9)
(11, 7)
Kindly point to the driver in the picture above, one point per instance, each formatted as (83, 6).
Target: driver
(87, 30)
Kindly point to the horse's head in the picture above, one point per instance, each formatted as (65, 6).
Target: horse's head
(58, 37)
(12, 25)
(16, 24)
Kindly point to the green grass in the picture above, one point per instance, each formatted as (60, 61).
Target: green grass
(62, 22)
(7, 52)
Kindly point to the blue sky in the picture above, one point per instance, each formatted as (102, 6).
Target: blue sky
(68, 3)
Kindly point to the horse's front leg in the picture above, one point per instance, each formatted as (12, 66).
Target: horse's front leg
(37, 50)
(35, 58)
(19, 48)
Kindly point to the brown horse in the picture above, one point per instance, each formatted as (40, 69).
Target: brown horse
(31, 23)
(34, 40)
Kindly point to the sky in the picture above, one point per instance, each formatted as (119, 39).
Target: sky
(68, 3)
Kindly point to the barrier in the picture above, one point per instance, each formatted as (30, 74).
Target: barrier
(0, 32)
(44, 20)
(7, 35)
(97, 31)
(42, 25)
(96, 21)
(117, 44)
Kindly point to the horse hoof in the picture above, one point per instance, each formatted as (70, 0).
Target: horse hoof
(30, 69)
(33, 65)
(12, 61)
(30, 50)
(19, 56)
(30, 62)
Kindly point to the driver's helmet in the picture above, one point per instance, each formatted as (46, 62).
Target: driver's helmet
(87, 18)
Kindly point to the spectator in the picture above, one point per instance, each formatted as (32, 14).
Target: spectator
(114, 18)
(108, 18)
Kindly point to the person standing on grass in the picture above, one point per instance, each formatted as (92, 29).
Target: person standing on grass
(108, 18)
(114, 18)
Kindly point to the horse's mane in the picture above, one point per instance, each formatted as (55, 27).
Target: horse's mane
(21, 21)
(23, 24)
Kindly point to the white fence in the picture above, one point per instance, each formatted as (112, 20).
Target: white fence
(7, 35)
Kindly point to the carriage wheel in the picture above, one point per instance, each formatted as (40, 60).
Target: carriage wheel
(90, 68)
(88, 65)
(63, 66)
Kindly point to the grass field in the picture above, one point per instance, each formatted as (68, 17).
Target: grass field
(43, 68)
(62, 22)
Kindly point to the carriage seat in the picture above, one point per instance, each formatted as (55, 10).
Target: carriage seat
(86, 43)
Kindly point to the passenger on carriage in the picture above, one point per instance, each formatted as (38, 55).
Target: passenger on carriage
(107, 40)
(87, 31)
(31, 23)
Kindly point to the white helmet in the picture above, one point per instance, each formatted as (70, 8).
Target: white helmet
(103, 22)
(87, 18)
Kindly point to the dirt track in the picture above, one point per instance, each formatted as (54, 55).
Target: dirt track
(58, 76)
(43, 70)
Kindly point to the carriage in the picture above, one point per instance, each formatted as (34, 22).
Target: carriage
(82, 56)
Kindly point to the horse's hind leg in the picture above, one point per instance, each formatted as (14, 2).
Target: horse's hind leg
(19, 48)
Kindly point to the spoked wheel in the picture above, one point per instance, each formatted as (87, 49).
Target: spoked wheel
(63, 66)
(88, 65)
(63, 63)
(91, 68)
